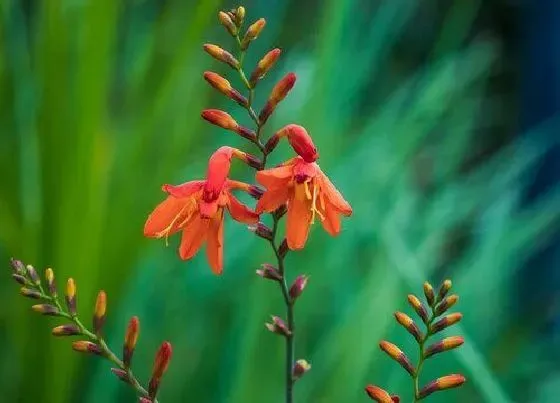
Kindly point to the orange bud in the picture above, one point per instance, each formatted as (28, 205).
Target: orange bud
(239, 15)
(447, 303)
(445, 322)
(66, 330)
(278, 93)
(227, 22)
(219, 118)
(396, 354)
(161, 363)
(429, 293)
(264, 66)
(46, 309)
(444, 289)
(224, 86)
(446, 344)
(378, 394)
(71, 296)
(100, 310)
(252, 33)
(443, 383)
(221, 55)
(407, 322)
(130, 340)
(418, 307)
(86, 347)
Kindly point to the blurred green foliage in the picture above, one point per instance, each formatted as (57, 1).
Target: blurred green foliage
(99, 105)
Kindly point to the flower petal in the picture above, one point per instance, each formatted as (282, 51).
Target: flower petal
(184, 190)
(331, 223)
(241, 212)
(272, 199)
(299, 221)
(208, 209)
(194, 236)
(334, 196)
(275, 177)
(215, 244)
(168, 216)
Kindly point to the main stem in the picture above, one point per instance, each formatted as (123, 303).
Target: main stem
(421, 359)
(290, 339)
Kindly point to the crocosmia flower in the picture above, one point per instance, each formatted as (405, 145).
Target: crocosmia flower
(197, 209)
(301, 184)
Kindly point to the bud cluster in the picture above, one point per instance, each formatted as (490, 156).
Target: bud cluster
(431, 316)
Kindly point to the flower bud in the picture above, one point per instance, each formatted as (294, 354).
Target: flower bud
(144, 400)
(447, 303)
(130, 340)
(418, 307)
(429, 293)
(271, 144)
(269, 272)
(239, 15)
(247, 158)
(255, 192)
(32, 273)
(298, 286)
(283, 248)
(252, 33)
(121, 374)
(443, 383)
(378, 394)
(221, 55)
(444, 289)
(396, 354)
(100, 311)
(17, 266)
(161, 363)
(227, 22)
(449, 343)
(219, 118)
(261, 230)
(49, 275)
(19, 278)
(278, 93)
(445, 322)
(264, 65)
(300, 141)
(46, 309)
(407, 322)
(280, 211)
(29, 293)
(224, 86)
(300, 368)
(66, 330)
(278, 326)
(71, 296)
(86, 347)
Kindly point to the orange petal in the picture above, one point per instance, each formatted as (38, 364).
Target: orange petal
(334, 196)
(272, 199)
(241, 212)
(218, 170)
(275, 177)
(331, 223)
(299, 221)
(208, 209)
(215, 245)
(185, 190)
(194, 236)
(167, 217)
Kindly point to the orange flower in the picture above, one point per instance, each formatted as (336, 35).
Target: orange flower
(307, 190)
(197, 208)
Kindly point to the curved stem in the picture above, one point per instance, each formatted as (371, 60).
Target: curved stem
(422, 358)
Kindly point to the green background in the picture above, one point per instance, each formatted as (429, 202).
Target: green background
(412, 107)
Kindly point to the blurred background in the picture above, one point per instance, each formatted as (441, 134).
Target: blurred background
(438, 120)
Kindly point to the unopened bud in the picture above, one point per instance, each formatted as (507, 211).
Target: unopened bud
(121, 374)
(300, 368)
(398, 355)
(445, 322)
(86, 347)
(280, 211)
(418, 307)
(407, 322)
(378, 394)
(447, 303)
(29, 293)
(443, 383)
(278, 93)
(429, 293)
(283, 248)
(17, 266)
(449, 343)
(219, 118)
(71, 296)
(227, 22)
(144, 400)
(252, 33)
(51, 284)
(46, 309)
(221, 55)
(261, 230)
(264, 65)
(66, 330)
(278, 326)
(444, 289)
(271, 144)
(269, 272)
(19, 278)
(130, 340)
(163, 356)
(32, 273)
(224, 86)
(300, 140)
(255, 192)
(100, 311)
(298, 286)
(239, 15)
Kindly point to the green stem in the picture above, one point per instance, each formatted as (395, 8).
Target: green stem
(421, 359)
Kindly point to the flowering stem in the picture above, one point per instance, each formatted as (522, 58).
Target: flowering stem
(106, 352)
(421, 358)
(290, 338)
